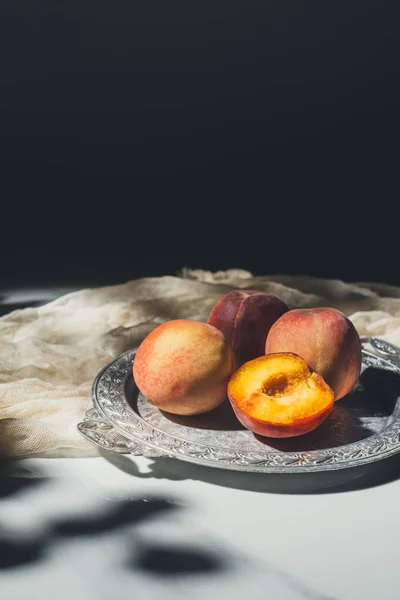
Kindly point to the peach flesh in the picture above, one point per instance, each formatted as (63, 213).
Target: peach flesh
(278, 396)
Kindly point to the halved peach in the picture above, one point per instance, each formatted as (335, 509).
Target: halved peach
(278, 396)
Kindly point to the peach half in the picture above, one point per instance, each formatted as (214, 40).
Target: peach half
(278, 396)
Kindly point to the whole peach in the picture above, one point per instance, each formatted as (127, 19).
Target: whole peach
(245, 318)
(183, 367)
(326, 339)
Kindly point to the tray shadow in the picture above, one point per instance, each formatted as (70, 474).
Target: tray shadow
(325, 482)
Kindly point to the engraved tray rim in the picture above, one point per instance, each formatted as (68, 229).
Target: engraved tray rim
(114, 425)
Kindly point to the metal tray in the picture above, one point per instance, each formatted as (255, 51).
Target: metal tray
(364, 427)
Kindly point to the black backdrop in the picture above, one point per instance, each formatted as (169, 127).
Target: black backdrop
(139, 137)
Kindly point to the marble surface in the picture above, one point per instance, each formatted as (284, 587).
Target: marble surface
(118, 526)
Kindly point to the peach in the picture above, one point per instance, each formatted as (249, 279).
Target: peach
(326, 339)
(245, 318)
(183, 367)
(278, 396)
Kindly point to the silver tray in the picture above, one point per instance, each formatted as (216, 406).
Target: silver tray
(364, 427)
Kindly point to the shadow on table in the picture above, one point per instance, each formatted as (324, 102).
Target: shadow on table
(17, 550)
(170, 560)
(343, 480)
(11, 486)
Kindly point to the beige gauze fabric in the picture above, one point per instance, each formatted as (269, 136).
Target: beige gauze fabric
(50, 355)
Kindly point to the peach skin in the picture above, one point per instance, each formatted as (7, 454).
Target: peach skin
(245, 318)
(326, 339)
(183, 367)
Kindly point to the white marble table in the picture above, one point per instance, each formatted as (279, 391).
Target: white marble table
(116, 526)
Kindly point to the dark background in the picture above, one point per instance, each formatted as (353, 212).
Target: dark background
(140, 137)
